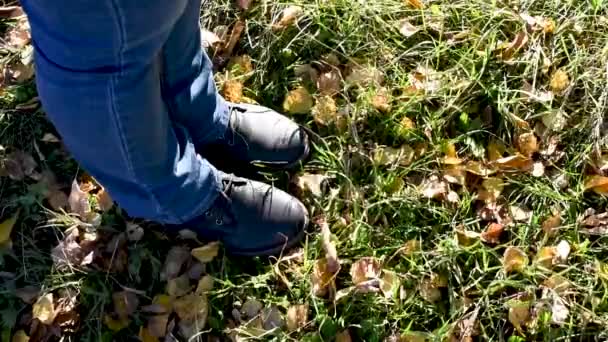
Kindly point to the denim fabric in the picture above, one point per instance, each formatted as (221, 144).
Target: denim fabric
(128, 87)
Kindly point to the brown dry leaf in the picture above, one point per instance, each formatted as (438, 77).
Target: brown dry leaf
(244, 4)
(322, 280)
(191, 307)
(380, 100)
(289, 16)
(519, 41)
(365, 269)
(343, 336)
(434, 188)
(329, 83)
(44, 309)
(19, 36)
(20, 164)
(233, 90)
(297, 317)
(519, 314)
(310, 183)
(145, 335)
(157, 325)
(298, 101)
(557, 283)
(125, 303)
(386, 156)
(235, 36)
(207, 252)
(455, 174)
(598, 184)
(491, 189)
(514, 259)
(429, 290)
(407, 29)
(546, 256)
(520, 214)
(79, 201)
(205, 284)
(325, 111)
(11, 12)
(527, 144)
(538, 23)
(479, 168)
(104, 200)
(410, 247)
(69, 252)
(20, 336)
(551, 224)
(364, 75)
(417, 4)
(517, 161)
(307, 72)
(559, 81)
(425, 80)
(176, 257)
(331, 254)
(492, 233)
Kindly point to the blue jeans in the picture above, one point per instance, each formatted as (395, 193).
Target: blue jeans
(129, 88)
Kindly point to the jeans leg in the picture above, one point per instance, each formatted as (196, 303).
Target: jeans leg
(188, 80)
(98, 72)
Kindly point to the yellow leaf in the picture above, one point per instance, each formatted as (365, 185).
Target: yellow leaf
(325, 111)
(413, 336)
(410, 247)
(240, 66)
(125, 303)
(115, 324)
(527, 144)
(205, 284)
(492, 188)
(364, 75)
(298, 101)
(479, 168)
(417, 4)
(403, 155)
(455, 174)
(233, 90)
(365, 269)
(545, 257)
(519, 314)
(207, 252)
(557, 283)
(380, 101)
(192, 307)
(599, 184)
(517, 161)
(559, 81)
(389, 282)
(297, 317)
(519, 41)
(6, 228)
(514, 259)
(20, 336)
(163, 300)
(179, 286)
(44, 309)
(466, 237)
(146, 336)
(407, 124)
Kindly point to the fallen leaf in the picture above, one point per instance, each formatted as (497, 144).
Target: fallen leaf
(557, 283)
(492, 187)
(157, 325)
(179, 286)
(520, 214)
(492, 233)
(176, 257)
(145, 335)
(519, 314)
(240, 66)
(50, 138)
(11, 12)
(243, 4)
(329, 83)
(298, 101)
(67, 317)
(519, 41)
(331, 254)
(380, 101)
(407, 29)
(413, 336)
(289, 16)
(406, 124)
(538, 169)
(425, 80)
(343, 336)
(232, 90)
(479, 168)
(364, 76)
(206, 253)
(452, 197)
(297, 317)
(306, 72)
(79, 201)
(559, 310)
(559, 81)
(410, 247)
(389, 283)
(545, 256)
(496, 150)
(115, 324)
(125, 303)
(538, 23)
(598, 184)
(69, 253)
(234, 37)
(134, 232)
(417, 4)
(251, 308)
(517, 161)
(466, 237)
(562, 251)
(6, 227)
(44, 309)
(272, 318)
(205, 284)
(322, 280)
(514, 259)
(434, 188)
(527, 144)
(455, 174)
(19, 164)
(325, 111)
(18, 36)
(104, 200)
(20, 336)
(551, 224)
(403, 155)
(192, 307)
(556, 120)
(365, 269)
(310, 183)
(209, 39)
(429, 290)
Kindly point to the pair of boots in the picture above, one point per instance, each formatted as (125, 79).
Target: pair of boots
(249, 217)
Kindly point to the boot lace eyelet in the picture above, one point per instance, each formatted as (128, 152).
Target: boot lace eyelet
(219, 222)
(208, 213)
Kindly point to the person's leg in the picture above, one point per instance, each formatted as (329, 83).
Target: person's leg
(230, 135)
(98, 71)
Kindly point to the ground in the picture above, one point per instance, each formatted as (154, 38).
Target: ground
(457, 180)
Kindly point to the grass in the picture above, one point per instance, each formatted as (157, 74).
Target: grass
(373, 209)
